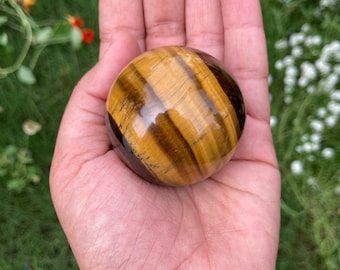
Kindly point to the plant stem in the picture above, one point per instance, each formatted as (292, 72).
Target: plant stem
(39, 49)
(36, 56)
(28, 40)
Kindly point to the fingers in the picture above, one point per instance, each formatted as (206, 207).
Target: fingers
(196, 23)
(164, 22)
(204, 26)
(117, 15)
(230, 30)
(246, 54)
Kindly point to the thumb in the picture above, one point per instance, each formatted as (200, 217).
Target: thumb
(82, 132)
(87, 101)
(97, 82)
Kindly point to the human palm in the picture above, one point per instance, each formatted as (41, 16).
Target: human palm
(111, 217)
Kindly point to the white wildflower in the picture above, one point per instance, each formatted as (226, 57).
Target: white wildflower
(290, 81)
(327, 3)
(308, 70)
(317, 125)
(279, 65)
(327, 153)
(331, 81)
(35, 179)
(321, 112)
(308, 147)
(331, 51)
(296, 38)
(297, 51)
(305, 138)
(303, 82)
(315, 138)
(317, 40)
(311, 89)
(305, 28)
(334, 48)
(288, 60)
(31, 127)
(337, 190)
(291, 71)
(289, 89)
(336, 95)
(331, 120)
(296, 167)
(270, 79)
(281, 44)
(336, 55)
(299, 149)
(327, 84)
(334, 107)
(323, 66)
(315, 146)
(273, 121)
(311, 41)
(336, 69)
(288, 99)
(312, 182)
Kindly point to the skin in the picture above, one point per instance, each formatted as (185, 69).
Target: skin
(115, 220)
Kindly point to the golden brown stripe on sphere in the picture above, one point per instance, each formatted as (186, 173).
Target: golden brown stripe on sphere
(175, 115)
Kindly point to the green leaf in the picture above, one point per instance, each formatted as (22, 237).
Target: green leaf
(3, 20)
(43, 35)
(24, 156)
(11, 150)
(76, 38)
(26, 76)
(16, 185)
(3, 172)
(3, 39)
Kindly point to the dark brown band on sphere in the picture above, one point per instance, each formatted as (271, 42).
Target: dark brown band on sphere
(230, 87)
(125, 153)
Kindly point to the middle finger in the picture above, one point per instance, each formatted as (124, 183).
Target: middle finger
(164, 22)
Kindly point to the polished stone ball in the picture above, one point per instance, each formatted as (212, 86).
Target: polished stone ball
(175, 115)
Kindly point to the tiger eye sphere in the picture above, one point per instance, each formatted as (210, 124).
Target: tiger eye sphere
(175, 115)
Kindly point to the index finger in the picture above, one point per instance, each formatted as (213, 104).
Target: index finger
(204, 26)
(117, 15)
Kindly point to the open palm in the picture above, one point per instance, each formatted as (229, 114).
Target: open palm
(115, 220)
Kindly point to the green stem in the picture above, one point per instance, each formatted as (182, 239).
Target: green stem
(28, 40)
(48, 23)
(36, 56)
(8, 10)
(16, 27)
(58, 40)
(39, 50)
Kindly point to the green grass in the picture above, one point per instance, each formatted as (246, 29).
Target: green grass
(310, 199)
(30, 233)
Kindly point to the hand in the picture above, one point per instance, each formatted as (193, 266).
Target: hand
(112, 218)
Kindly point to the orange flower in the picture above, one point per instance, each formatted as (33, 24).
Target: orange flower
(88, 35)
(75, 21)
(28, 4)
